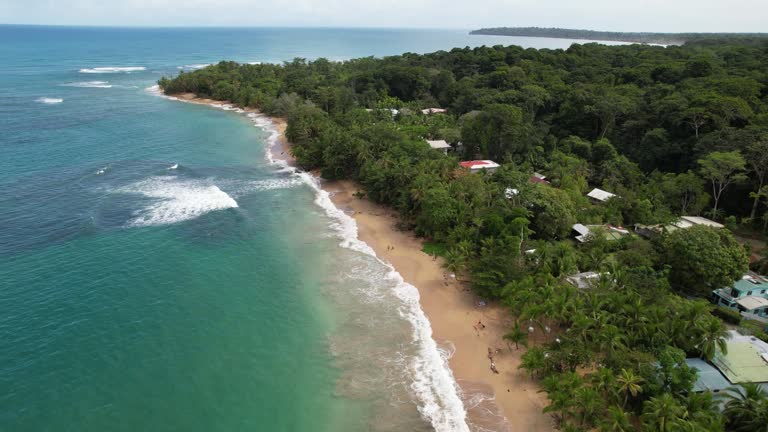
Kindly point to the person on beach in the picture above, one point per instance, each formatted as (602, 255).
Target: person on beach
(493, 368)
(480, 325)
(490, 354)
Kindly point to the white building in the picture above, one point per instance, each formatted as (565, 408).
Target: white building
(600, 196)
(441, 145)
(429, 111)
(480, 165)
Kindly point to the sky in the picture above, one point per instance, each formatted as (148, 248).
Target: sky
(610, 15)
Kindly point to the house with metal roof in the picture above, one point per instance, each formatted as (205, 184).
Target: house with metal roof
(748, 295)
(745, 361)
(599, 196)
(684, 222)
(428, 111)
(441, 145)
(610, 232)
(708, 377)
(585, 280)
(480, 165)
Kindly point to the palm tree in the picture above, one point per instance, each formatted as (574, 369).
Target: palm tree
(533, 361)
(629, 384)
(455, 260)
(517, 336)
(746, 408)
(588, 402)
(604, 381)
(617, 421)
(661, 413)
(712, 337)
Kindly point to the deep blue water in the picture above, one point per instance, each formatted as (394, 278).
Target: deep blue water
(156, 273)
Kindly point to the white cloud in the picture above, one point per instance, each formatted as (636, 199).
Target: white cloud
(636, 15)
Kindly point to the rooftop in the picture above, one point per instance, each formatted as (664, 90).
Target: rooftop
(708, 377)
(752, 302)
(745, 361)
(689, 221)
(479, 164)
(438, 144)
(751, 282)
(584, 280)
(433, 111)
(600, 194)
(610, 232)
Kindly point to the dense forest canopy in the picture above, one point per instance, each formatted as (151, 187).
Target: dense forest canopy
(637, 37)
(670, 131)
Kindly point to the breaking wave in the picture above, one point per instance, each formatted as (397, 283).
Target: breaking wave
(49, 101)
(112, 69)
(89, 84)
(174, 200)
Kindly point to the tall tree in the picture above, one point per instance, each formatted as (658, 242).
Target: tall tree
(722, 169)
(757, 158)
(703, 258)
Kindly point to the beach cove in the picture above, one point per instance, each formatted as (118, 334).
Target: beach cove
(461, 324)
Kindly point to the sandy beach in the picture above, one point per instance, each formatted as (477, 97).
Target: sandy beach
(454, 312)
(505, 401)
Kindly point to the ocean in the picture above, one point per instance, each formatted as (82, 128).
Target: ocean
(159, 271)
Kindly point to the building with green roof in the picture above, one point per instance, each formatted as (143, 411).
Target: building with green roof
(748, 295)
(746, 360)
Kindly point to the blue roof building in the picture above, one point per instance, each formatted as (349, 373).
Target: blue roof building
(749, 295)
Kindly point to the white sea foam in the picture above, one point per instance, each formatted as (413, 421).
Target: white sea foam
(176, 200)
(438, 394)
(112, 69)
(89, 84)
(434, 384)
(49, 101)
(173, 167)
(101, 171)
(194, 66)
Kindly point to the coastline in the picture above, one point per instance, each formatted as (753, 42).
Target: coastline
(507, 401)
(512, 401)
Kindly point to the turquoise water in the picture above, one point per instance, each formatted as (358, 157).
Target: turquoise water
(158, 273)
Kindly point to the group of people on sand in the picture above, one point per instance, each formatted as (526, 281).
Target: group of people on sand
(490, 357)
(478, 327)
(390, 248)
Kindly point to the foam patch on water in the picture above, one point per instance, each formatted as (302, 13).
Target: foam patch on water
(112, 69)
(175, 200)
(89, 84)
(49, 101)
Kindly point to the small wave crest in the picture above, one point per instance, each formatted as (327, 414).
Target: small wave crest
(194, 66)
(175, 200)
(49, 101)
(89, 84)
(112, 69)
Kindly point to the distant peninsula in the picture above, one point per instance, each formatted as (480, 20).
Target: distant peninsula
(641, 37)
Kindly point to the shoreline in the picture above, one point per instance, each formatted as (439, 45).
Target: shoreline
(507, 401)
(511, 399)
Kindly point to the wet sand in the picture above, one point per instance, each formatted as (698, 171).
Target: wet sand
(454, 312)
